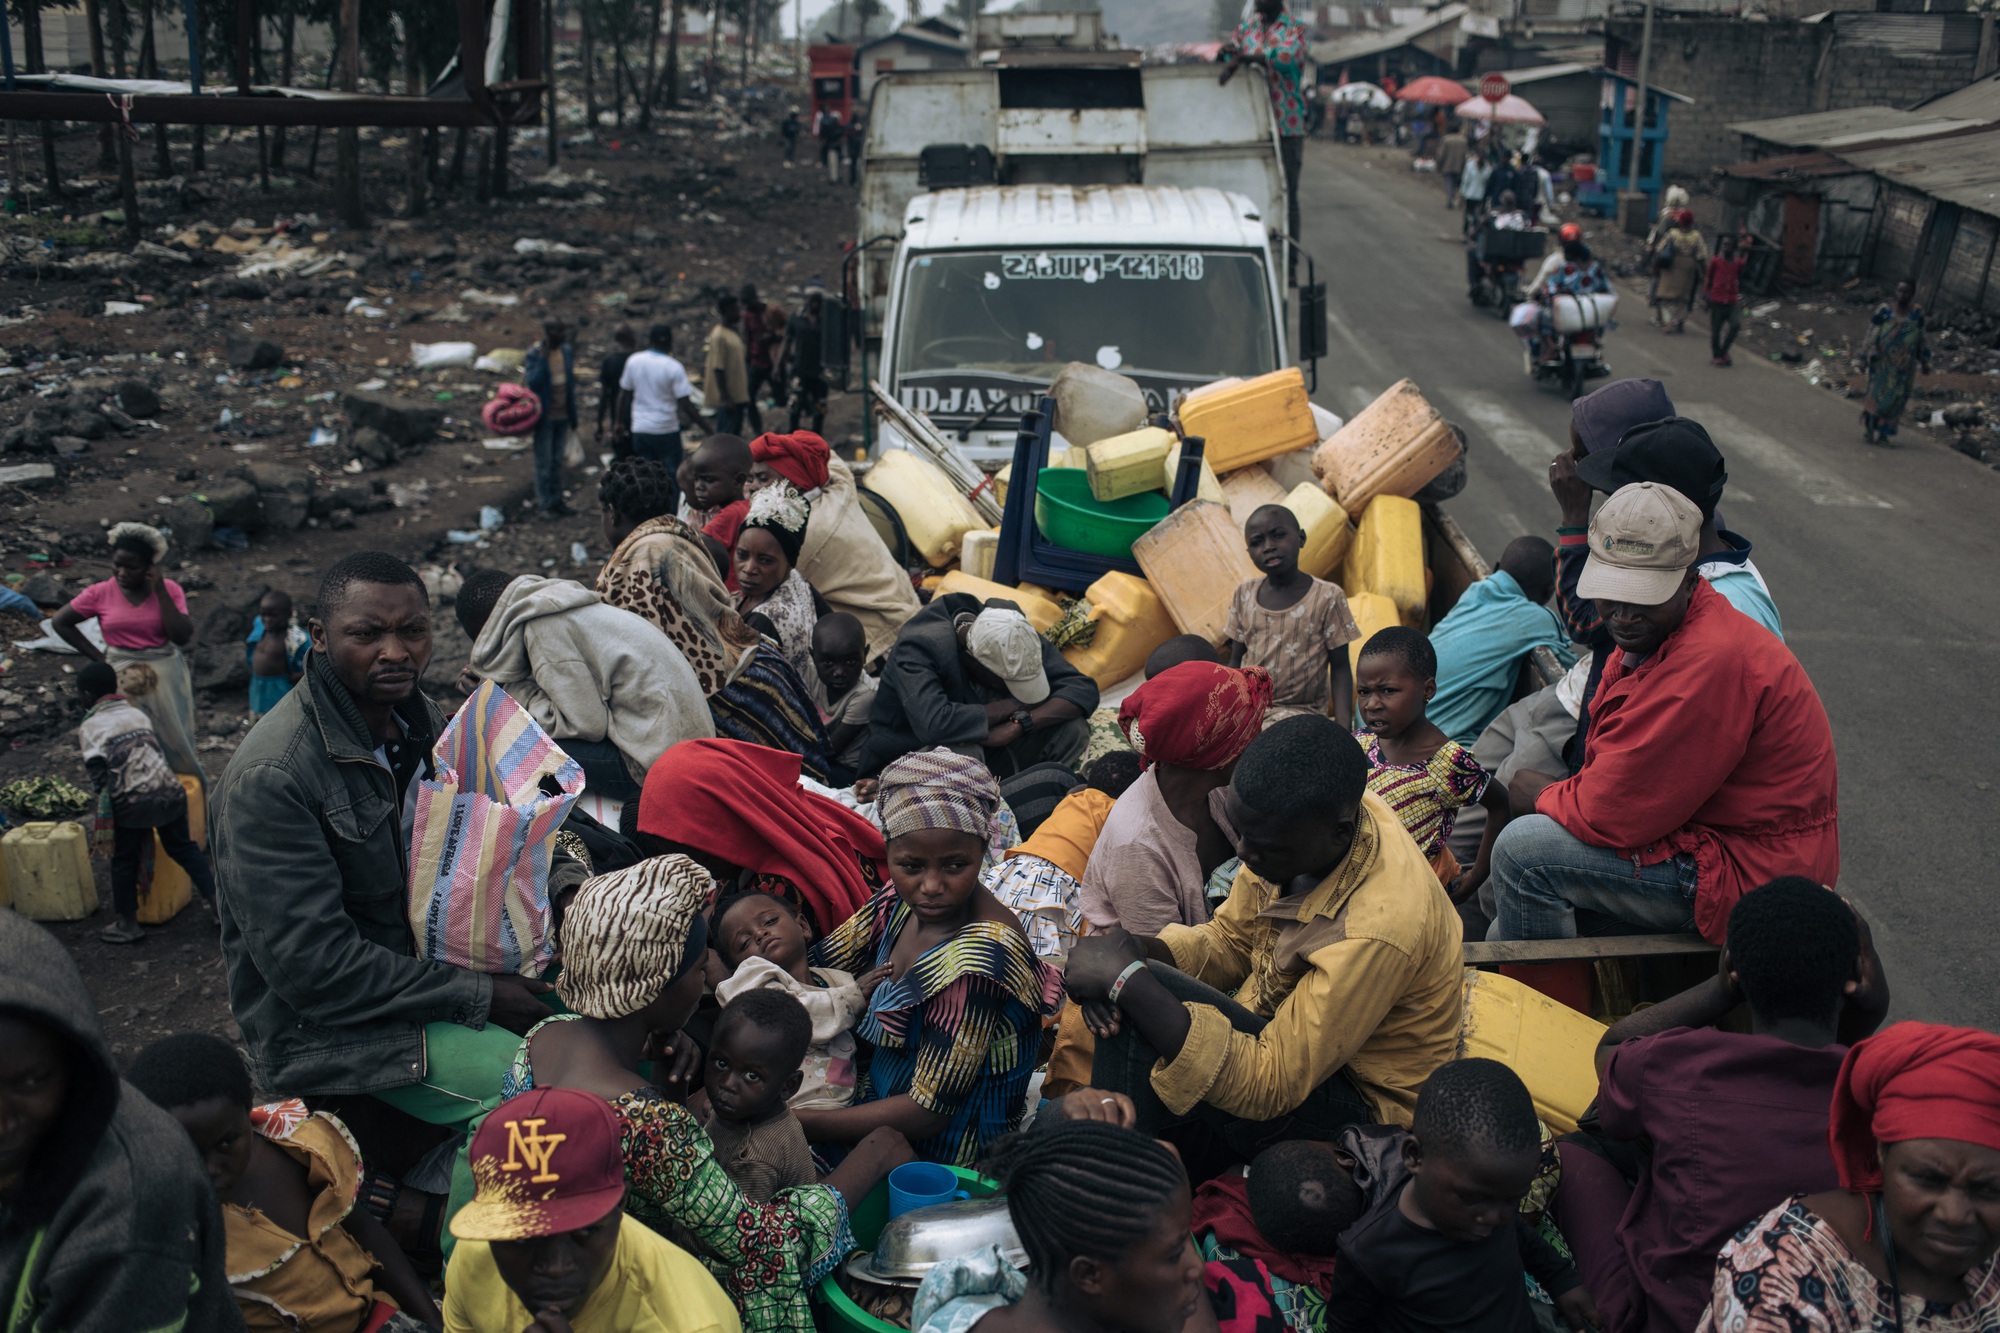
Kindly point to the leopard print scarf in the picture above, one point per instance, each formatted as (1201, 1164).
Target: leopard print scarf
(663, 572)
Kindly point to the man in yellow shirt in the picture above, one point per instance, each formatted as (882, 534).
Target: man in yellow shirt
(725, 379)
(1337, 943)
(545, 1246)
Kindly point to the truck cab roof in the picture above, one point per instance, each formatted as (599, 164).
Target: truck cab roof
(1129, 216)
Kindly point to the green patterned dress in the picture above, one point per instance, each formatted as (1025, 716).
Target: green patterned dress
(768, 1257)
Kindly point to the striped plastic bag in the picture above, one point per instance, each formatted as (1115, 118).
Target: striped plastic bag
(483, 837)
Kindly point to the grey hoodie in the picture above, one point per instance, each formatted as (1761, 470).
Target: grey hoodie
(113, 1228)
(589, 671)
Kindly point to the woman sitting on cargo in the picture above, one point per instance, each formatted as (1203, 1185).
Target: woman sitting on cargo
(1168, 834)
(956, 1028)
(771, 593)
(660, 570)
(842, 557)
(1911, 1239)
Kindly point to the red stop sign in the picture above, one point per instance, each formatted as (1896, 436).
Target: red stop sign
(1493, 87)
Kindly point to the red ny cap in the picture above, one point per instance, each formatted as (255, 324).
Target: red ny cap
(544, 1162)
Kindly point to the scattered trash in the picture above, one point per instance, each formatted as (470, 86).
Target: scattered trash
(1758, 312)
(359, 305)
(326, 397)
(531, 246)
(370, 386)
(230, 539)
(323, 435)
(460, 537)
(503, 444)
(478, 297)
(579, 553)
(25, 473)
(409, 497)
(222, 422)
(123, 308)
(490, 518)
(442, 356)
(502, 361)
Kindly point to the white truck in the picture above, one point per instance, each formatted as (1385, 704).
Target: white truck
(1069, 207)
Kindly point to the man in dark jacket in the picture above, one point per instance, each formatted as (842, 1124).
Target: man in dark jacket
(309, 831)
(976, 678)
(107, 1222)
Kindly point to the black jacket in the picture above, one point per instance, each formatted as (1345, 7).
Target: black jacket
(113, 1228)
(928, 699)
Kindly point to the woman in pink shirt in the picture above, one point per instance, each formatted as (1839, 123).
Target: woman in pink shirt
(143, 617)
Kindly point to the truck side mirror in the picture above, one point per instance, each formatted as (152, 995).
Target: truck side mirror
(835, 338)
(1312, 321)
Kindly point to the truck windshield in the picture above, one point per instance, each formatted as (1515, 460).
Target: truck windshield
(1167, 316)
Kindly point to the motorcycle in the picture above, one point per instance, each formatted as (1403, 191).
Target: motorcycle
(1499, 256)
(1573, 352)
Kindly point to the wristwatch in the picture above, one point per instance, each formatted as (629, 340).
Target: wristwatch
(1023, 719)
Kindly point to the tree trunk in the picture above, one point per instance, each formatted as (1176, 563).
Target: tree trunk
(618, 78)
(413, 84)
(549, 73)
(93, 19)
(128, 188)
(118, 26)
(457, 176)
(255, 74)
(285, 69)
(627, 80)
(31, 40)
(589, 41)
(502, 139)
(312, 157)
(743, 37)
(149, 68)
(347, 141)
(674, 57)
(651, 89)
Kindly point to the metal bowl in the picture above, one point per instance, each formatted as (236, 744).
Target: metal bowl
(913, 1244)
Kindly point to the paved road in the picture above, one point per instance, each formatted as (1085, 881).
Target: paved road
(1883, 562)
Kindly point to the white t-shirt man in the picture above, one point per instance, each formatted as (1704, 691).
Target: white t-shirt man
(657, 383)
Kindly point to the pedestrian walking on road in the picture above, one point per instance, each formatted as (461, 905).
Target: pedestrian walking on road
(790, 131)
(1451, 154)
(610, 371)
(854, 133)
(805, 364)
(725, 379)
(1275, 42)
(1679, 262)
(826, 128)
(1894, 352)
(549, 371)
(758, 346)
(1723, 291)
(656, 401)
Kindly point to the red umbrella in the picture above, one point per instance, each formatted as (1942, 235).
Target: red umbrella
(1434, 90)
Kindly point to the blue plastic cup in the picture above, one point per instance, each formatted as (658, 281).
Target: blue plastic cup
(921, 1184)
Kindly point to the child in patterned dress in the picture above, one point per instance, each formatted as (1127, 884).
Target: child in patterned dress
(1425, 776)
(1293, 625)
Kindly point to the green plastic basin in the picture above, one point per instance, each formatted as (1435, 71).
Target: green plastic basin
(868, 1221)
(1074, 519)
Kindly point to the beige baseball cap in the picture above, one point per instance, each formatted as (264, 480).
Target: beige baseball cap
(1002, 641)
(1642, 542)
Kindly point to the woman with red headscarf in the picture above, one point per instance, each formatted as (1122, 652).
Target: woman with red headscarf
(1908, 1243)
(842, 557)
(739, 810)
(1167, 834)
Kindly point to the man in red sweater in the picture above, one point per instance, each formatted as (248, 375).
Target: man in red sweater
(1711, 766)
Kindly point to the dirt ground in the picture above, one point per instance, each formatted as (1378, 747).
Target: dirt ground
(667, 222)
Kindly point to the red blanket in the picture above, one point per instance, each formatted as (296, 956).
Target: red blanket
(1718, 746)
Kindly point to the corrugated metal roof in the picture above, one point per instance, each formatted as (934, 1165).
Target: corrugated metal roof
(1362, 45)
(1792, 166)
(1857, 124)
(1975, 101)
(1964, 170)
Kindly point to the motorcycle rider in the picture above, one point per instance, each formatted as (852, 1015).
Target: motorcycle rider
(1507, 216)
(1571, 271)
